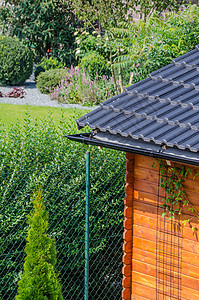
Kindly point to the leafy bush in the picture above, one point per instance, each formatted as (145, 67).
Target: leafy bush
(48, 63)
(37, 71)
(17, 92)
(78, 87)
(133, 50)
(87, 42)
(15, 61)
(39, 279)
(38, 155)
(95, 63)
(49, 79)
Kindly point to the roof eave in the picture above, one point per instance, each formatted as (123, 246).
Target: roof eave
(172, 155)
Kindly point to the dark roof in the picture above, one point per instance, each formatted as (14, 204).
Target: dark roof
(161, 110)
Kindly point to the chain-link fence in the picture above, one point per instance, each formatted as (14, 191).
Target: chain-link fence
(63, 180)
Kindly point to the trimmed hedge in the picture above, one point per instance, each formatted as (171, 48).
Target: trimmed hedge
(50, 78)
(38, 155)
(15, 61)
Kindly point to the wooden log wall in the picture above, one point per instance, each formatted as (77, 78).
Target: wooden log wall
(144, 236)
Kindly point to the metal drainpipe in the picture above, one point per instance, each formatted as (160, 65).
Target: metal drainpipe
(86, 278)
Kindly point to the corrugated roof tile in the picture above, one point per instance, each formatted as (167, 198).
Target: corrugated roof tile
(162, 109)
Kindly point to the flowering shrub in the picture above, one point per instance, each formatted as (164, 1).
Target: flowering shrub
(77, 87)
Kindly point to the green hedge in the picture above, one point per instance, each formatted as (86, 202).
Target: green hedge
(15, 61)
(50, 78)
(38, 155)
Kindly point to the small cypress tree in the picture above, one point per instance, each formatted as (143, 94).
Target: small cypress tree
(39, 280)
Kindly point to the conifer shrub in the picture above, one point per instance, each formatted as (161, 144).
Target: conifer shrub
(39, 279)
(49, 79)
(15, 61)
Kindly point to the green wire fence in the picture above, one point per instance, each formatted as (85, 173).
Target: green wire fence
(60, 170)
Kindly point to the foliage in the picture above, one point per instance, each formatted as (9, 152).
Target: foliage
(15, 61)
(172, 180)
(46, 25)
(38, 155)
(155, 43)
(48, 63)
(103, 12)
(90, 42)
(50, 78)
(39, 279)
(134, 50)
(146, 7)
(95, 63)
(17, 92)
(113, 11)
(37, 71)
(78, 87)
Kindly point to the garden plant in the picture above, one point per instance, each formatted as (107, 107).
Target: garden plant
(36, 154)
(15, 61)
(39, 279)
(128, 52)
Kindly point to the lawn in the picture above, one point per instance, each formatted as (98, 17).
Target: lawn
(12, 114)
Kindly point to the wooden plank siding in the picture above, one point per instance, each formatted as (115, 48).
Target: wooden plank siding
(144, 243)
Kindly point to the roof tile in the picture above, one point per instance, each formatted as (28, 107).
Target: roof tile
(161, 109)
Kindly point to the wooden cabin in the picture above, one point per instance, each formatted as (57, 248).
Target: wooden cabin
(156, 122)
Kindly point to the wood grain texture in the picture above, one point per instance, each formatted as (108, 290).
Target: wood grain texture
(144, 233)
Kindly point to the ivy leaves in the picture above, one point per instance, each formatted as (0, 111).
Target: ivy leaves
(172, 180)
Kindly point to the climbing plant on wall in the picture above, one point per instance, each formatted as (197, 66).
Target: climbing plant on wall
(172, 179)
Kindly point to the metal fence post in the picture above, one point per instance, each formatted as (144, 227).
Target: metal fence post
(86, 279)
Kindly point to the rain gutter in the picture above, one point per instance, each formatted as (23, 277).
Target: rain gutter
(86, 138)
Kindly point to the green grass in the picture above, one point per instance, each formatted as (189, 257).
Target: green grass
(11, 114)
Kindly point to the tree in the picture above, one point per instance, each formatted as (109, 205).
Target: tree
(45, 25)
(39, 279)
(100, 12)
(145, 8)
(109, 13)
(117, 29)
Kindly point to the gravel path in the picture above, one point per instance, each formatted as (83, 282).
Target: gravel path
(34, 97)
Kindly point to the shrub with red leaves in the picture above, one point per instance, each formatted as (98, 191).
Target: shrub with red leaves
(1, 94)
(17, 92)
